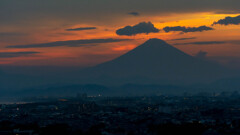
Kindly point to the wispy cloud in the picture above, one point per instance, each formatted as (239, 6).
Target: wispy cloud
(70, 43)
(81, 29)
(180, 39)
(134, 13)
(16, 54)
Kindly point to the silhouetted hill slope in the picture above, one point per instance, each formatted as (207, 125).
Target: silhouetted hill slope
(155, 62)
(66, 90)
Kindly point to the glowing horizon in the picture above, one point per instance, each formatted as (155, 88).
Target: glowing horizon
(84, 56)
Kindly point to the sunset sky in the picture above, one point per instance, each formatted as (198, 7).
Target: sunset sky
(83, 32)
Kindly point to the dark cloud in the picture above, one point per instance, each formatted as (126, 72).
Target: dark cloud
(201, 54)
(16, 54)
(202, 43)
(187, 29)
(180, 39)
(82, 28)
(70, 43)
(134, 13)
(228, 20)
(143, 27)
(15, 11)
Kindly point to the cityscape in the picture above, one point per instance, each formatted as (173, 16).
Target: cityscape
(203, 114)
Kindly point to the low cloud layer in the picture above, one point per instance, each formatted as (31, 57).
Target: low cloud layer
(228, 21)
(143, 27)
(16, 54)
(70, 43)
(187, 29)
(82, 28)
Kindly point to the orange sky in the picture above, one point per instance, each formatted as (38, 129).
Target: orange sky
(87, 56)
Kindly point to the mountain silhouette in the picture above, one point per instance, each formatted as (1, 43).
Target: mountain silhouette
(149, 68)
(155, 62)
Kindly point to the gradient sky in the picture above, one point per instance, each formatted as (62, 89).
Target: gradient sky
(59, 26)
